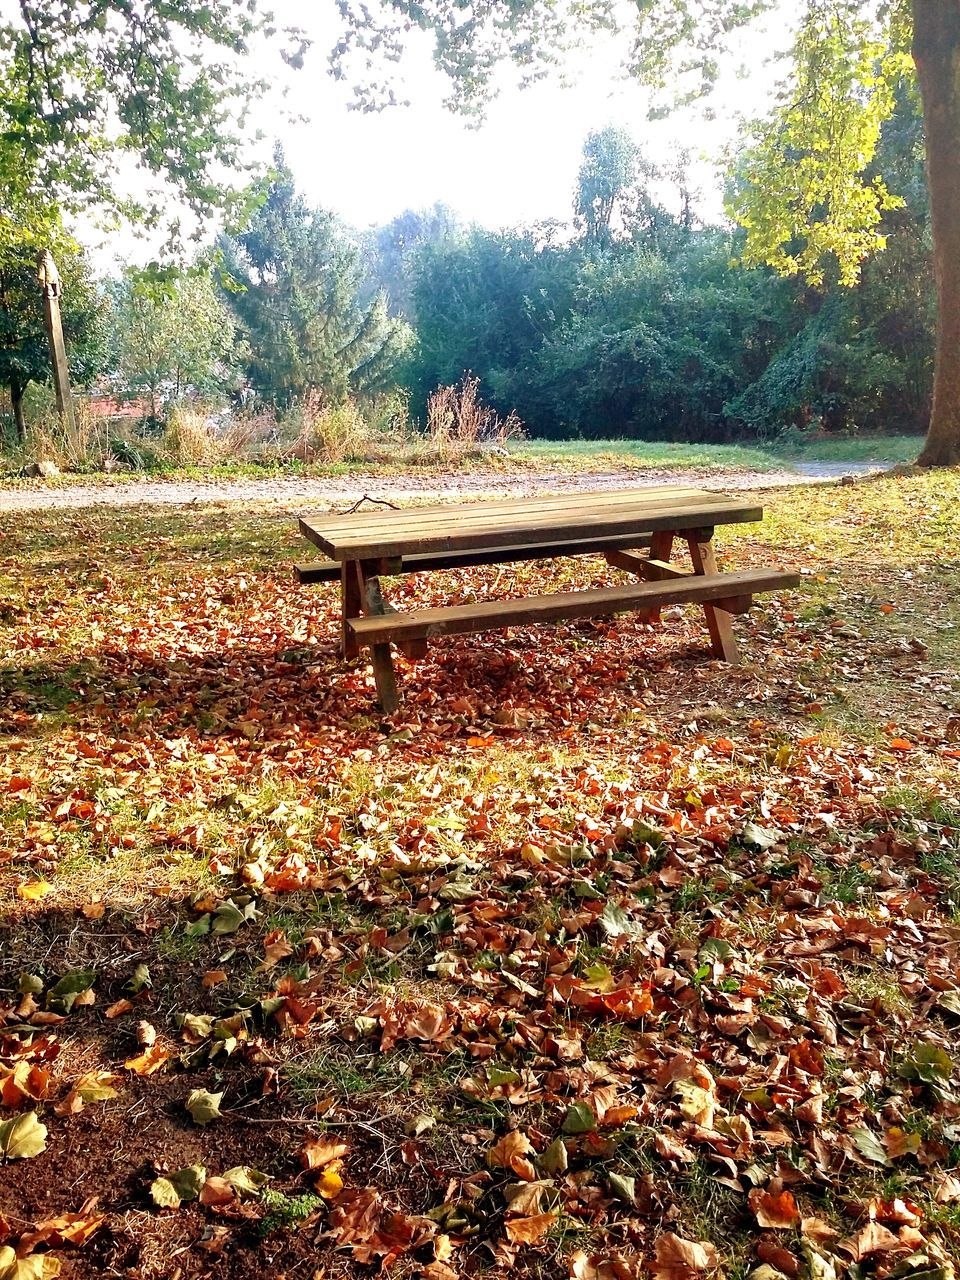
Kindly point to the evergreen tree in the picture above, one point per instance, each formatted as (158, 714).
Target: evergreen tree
(296, 288)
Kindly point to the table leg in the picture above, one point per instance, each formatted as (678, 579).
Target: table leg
(350, 606)
(373, 602)
(661, 547)
(719, 623)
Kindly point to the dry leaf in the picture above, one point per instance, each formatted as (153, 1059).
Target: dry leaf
(529, 1230)
(774, 1209)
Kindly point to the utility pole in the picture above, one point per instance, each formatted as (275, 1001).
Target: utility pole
(49, 278)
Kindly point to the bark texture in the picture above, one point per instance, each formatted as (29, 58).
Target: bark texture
(936, 51)
(16, 400)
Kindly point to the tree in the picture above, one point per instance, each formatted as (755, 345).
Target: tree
(170, 338)
(810, 196)
(295, 284)
(83, 82)
(24, 352)
(606, 179)
(393, 250)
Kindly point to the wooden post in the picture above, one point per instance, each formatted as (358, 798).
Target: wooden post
(50, 283)
(723, 642)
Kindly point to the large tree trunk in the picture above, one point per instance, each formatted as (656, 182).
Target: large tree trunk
(16, 400)
(936, 51)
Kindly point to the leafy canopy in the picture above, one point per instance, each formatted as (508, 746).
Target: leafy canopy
(801, 193)
(84, 83)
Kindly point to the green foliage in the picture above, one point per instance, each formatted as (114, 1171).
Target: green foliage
(170, 338)
(803, 195)
(295, 284)
(659, 332)
(83, 82)
(24, 350)
(606, 178)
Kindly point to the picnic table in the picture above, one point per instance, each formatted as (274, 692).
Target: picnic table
(635, 530)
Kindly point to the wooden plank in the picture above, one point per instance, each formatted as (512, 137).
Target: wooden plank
(564, 501)
(565, 528)
(487, 615)
(493, 516)
(374, 604)
(723, 641)
(329, 570)
(644, 566)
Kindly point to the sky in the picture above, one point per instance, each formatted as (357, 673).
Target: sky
(518, 167)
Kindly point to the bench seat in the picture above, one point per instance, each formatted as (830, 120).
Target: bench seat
(729, 591)
(329, 570)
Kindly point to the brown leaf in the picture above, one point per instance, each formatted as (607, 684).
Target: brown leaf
(529, 1230)
(275, 948)
(874, 1238)
(317, 1152)
(676, 1257)
(511, 1152)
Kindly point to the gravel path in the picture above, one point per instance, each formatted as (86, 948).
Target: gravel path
(300, 491)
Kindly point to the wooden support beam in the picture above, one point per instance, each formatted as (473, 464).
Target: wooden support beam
(350, 607)
(49, 278)
(722, 640)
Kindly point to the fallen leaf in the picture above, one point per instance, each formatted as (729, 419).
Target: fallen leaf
(774, 1209)
(529, 1230)
(33, 890)
(149, 1062)
(204, 1107)
(23, 1137)
(318, 1152)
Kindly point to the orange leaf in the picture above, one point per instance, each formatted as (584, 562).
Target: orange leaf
(529, 1230)
(275, 948)
(511, 1152)
(115, 1010)
(213, 977)
(149, 1062)
(774, 1209)
(317, 1152)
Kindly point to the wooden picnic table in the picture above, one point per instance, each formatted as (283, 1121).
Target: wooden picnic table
(636, 530)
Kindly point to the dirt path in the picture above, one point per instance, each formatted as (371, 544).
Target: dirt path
(295, 491)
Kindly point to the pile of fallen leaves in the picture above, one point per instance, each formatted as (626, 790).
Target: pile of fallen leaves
(598, 960)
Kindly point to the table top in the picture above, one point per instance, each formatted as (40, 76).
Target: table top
(513, 522)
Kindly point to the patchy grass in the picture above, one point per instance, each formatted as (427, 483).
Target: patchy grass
(774, 456)
(683, 929)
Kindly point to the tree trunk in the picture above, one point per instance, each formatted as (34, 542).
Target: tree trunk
(16, 400)
(936, 51)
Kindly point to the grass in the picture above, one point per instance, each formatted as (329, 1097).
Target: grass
(779, 454)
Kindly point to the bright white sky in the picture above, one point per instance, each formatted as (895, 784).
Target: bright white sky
(520, 166)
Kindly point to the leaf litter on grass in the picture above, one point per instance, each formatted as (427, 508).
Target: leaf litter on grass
(599, 959)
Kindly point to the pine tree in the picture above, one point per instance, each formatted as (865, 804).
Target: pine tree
(295, 286)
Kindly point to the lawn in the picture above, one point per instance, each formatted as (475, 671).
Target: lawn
(778, 454)
(598, 959)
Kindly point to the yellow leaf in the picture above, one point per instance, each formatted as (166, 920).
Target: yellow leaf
(329, 1184)
(34, 890)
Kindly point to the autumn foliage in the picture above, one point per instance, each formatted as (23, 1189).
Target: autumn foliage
(599, 959)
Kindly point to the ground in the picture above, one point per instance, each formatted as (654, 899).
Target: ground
(598, 958)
